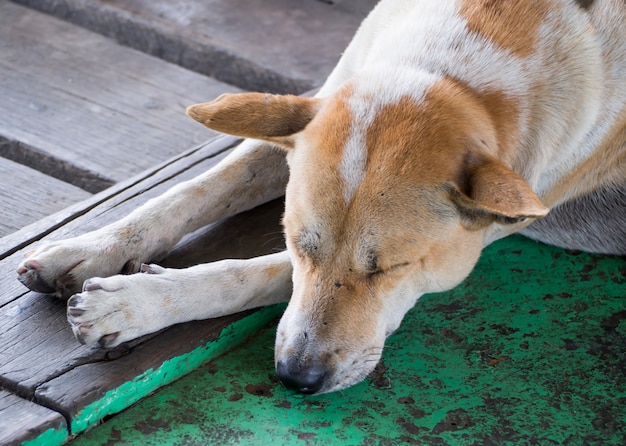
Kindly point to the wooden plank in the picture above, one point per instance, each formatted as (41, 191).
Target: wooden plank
(40, 357)
(27, 195)
(89, 102)
(90, 392)
(268, 45)
(50, 165)
(22, 420)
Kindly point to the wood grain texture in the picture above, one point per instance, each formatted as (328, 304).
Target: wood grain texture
(91, 103)
(23, 420)
(279, 46)
(89, 382)
(27, 195)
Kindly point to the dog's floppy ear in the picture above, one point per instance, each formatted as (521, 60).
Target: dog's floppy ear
(488, 190)
(273, 118)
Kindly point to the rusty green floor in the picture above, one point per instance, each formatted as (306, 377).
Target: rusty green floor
(530, 349)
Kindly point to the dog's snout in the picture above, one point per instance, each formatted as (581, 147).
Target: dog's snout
(307, 378)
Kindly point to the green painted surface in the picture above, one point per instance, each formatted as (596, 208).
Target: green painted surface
(51, 437)
(530, 349)
(130, 392)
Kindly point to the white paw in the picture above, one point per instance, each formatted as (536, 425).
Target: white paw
(61, 267)
(113, 310)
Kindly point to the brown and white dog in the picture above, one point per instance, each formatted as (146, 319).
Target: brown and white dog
(446, 125)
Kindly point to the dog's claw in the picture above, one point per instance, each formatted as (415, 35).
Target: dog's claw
(151, 269)
(79, 337)
(106, 340)
(29, 275)
(37, 277)
(75, 312)
(90, 285)
(73, 301)
(83, 329)
(29, 265)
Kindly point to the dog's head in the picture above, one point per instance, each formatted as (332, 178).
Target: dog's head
(388, 199)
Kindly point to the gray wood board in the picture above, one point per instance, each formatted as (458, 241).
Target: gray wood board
(88, 102)
(69, 393)
(36, 342)
(27, 195)
(22, 420)
(268, 45)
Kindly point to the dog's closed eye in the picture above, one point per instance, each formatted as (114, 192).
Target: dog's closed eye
(307, 244)
(381, 271)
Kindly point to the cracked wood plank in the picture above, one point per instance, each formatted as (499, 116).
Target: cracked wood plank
(23, 420)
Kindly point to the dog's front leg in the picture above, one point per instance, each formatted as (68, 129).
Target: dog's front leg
(253, 174)
(116, 309)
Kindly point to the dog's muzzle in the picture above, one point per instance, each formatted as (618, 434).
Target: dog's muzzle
(307, 378)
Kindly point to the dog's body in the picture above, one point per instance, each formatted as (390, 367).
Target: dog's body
(445, 125)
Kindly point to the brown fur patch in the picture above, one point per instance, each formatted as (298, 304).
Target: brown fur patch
(330, 129)
(504, 113)
(428, 142)
(510, 24)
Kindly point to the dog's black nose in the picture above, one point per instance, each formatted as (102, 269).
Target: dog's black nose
(307, 379)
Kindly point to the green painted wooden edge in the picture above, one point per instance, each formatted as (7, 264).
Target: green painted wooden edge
(52, 437)
(118, 399)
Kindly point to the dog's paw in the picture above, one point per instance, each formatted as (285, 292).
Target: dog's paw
(113, 310)
(60, 268)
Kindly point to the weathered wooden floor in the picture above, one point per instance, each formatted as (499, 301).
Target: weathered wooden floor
(41, 361)
(81, 109)
(91, 129)
(283, 46)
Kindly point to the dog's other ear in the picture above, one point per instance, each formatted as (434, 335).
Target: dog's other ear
(273, 118)
(489, 191)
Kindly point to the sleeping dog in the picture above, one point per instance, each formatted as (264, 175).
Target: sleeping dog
(446, 125)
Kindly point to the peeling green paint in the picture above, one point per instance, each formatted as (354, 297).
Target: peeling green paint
(118, 399)
(530, 349)
(51, 437)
